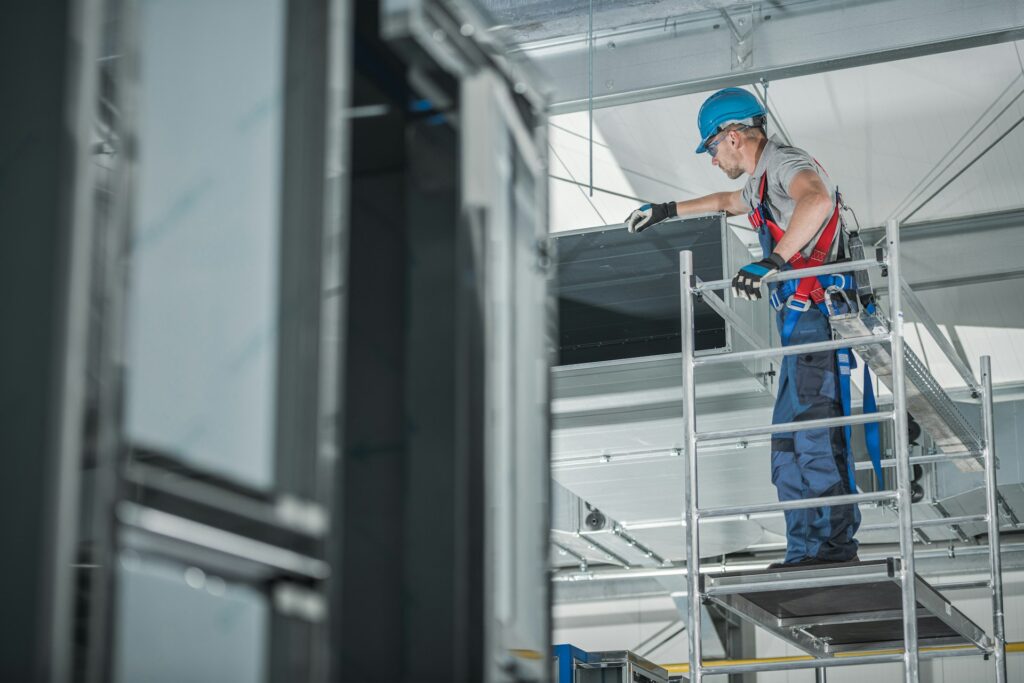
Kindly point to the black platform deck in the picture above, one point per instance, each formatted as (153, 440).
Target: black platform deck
(852, 607)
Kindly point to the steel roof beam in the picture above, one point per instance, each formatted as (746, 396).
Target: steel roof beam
(694, 52)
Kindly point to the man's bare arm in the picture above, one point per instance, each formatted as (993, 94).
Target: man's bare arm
(730, 202)
(813, 205)
(652, 214)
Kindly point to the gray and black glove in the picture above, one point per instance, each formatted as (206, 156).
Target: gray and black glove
(649, 214)
(747, 283)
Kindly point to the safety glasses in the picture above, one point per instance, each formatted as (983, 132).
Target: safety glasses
(715, 140)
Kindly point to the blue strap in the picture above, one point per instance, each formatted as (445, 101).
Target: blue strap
(872, 433)
(780, 299)
(791, 318)
(845, 361)
(789, 324)
(786, 289)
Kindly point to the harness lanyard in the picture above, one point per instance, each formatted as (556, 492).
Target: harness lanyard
(872, 433)
(846, 361)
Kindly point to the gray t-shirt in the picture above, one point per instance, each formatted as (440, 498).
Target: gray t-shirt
(782, 163)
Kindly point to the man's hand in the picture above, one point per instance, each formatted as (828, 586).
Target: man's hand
(649, 214)
(747, 283)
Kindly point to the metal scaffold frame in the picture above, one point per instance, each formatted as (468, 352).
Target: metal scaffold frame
(992, 645)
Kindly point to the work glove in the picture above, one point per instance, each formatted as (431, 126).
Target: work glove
(747, 283)
(649, 214)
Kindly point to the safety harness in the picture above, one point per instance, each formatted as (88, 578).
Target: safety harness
(796, 296)
(808, 289)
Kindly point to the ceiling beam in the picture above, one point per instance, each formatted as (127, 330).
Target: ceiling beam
(698, 52)
(951, 227)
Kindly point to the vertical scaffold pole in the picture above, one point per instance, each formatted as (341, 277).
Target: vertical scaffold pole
(995, 562)
(902, 453)
(691, 541)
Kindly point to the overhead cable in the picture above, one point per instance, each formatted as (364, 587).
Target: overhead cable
(965, 168)
(579, 184)
(772, 117)
(934, 173)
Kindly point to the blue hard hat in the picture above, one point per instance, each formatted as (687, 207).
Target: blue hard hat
(727, 106)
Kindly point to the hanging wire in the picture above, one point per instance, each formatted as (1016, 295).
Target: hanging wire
(775, 118)
(599, 189)
(578, 184)
(965, 169)
(945, 165)
(627, 170)
(590, 91)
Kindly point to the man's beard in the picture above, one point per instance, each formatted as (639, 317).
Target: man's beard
(733, 172)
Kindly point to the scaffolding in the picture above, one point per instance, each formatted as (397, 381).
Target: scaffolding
(945, 632)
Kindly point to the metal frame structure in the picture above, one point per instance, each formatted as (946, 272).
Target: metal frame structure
(913, 590)
(136, 502)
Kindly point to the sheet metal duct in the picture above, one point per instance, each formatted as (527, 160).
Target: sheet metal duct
(617, 398)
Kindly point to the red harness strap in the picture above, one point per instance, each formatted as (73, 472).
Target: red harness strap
(809, 287)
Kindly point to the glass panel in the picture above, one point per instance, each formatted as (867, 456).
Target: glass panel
(178, 624)
(203, 306)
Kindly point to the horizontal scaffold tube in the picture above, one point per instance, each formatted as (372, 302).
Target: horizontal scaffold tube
(838, 579)
(919, 459)
(867, 554)
(797, 504)
(919, 523)
(841, 267)
(725, 666)
(796, 426)
(740, 356)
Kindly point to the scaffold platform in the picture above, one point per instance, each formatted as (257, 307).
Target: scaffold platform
(826, 610)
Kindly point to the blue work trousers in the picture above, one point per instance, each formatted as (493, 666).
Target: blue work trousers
(815, 462)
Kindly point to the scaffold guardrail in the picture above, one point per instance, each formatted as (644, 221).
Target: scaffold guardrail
(890, 336)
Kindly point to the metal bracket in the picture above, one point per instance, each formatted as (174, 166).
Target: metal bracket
(740, 19)
(639, 547)
(1007, 510)
(955, 528)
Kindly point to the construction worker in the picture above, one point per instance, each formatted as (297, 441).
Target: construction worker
(795, 208)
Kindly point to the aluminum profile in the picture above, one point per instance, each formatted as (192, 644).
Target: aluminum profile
(926, 400)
